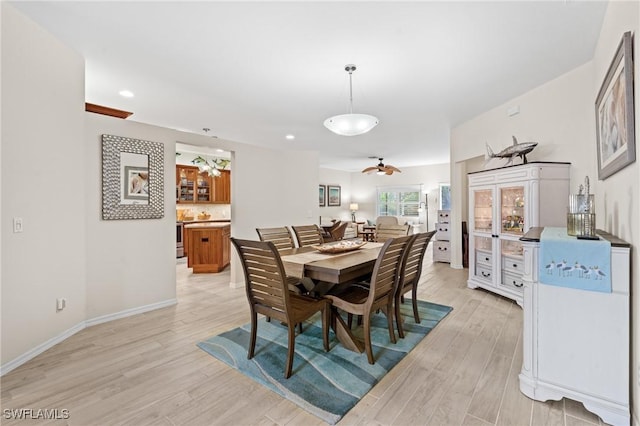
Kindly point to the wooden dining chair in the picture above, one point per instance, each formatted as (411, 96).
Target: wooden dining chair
(308, 235)
(280, 237)
(268, 294)
(410, 272)
(364, 300)
(384, 231)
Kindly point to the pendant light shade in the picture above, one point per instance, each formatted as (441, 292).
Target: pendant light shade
(351, 124)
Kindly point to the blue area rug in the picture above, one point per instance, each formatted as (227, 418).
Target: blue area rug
(326, 384)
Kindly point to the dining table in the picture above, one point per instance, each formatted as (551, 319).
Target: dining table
(335, 269)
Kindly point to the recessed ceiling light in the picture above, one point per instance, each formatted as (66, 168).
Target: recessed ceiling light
(220, 150)
(126, 93)
(290, 137)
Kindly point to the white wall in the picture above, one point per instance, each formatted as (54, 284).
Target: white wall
(130, 263)
(363, 187)
(560, 115)
(104, 268)
(342, 212)
(618, 197)
(43, 169)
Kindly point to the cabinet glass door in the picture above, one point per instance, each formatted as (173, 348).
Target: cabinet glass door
(204, 188)
(512, 208)
(186, 185)
(483, 210)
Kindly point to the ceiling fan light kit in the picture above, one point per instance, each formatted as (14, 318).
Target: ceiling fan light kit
(381, 168)
(351, 124)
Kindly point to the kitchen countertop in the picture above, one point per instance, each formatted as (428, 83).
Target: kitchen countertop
(186, 222)
(206, 224)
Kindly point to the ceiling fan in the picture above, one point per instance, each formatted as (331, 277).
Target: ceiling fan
(381, 169)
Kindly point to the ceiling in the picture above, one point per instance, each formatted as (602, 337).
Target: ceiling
(254, 72)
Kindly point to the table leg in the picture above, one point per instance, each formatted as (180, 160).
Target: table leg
(344, 334)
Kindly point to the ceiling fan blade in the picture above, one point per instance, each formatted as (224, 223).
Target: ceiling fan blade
(370, 169)
(395, 169)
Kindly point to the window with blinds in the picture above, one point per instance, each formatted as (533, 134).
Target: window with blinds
(398, 201)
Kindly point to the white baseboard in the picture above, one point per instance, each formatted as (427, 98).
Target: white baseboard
(236, 284)
(30, 354)
(130, 312)
(17, 362)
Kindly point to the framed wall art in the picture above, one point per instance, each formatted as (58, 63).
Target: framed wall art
(614, 113)
(333, 195)
(322, 195)
(132, 178)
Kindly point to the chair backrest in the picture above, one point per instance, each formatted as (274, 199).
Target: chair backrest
(280, 237)
(308, 235)
(338, 233)
(412, 263)
(384, 232)
(386, 269)
(265, 278)
(386, 220)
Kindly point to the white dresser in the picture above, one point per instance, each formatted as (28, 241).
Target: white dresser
(576, 342)
(441, 245)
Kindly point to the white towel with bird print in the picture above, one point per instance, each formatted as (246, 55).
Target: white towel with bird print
(566, 261)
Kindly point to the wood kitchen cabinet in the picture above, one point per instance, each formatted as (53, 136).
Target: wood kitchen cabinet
(192, 187)
(221, 188)
(209, 246)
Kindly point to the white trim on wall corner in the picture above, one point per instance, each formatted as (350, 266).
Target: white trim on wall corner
(239, 284)
(17, 362)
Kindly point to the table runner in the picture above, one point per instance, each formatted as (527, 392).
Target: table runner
(566, 261)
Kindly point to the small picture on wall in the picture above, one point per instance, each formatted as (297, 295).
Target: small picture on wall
(333, 196)
(136, 183)
(322, 195)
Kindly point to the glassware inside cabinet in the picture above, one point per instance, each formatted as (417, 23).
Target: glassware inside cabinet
(483, 243)
(512, 210)
(511, 248)
(483, 216)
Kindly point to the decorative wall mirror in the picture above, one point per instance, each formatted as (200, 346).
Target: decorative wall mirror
(132, 178)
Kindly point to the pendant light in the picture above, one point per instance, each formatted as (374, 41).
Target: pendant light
(351, 124)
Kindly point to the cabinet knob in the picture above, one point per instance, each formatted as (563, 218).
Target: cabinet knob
(515, 265)
(486, 258)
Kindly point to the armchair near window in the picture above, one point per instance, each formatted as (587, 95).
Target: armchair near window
(386, 220)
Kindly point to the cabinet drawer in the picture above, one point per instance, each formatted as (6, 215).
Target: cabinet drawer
(443, 216)
(513, 264)
(484, 258)
(442, 231)
(441, 251)
(483, 272)
(512, 281)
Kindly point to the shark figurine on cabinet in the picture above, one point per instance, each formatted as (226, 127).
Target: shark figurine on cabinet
(516, 150)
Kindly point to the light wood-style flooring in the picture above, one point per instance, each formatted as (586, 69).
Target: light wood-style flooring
(146, 369)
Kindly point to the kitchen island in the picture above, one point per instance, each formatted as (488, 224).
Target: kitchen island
(208, 246)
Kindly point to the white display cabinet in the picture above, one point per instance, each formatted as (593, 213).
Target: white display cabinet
(504, 204)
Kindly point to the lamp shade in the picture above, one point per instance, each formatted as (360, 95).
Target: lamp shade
(351, 124)
(353, 206)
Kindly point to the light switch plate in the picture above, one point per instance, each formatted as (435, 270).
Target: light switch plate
(17, 224)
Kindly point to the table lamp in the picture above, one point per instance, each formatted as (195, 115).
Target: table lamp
(354, 208)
